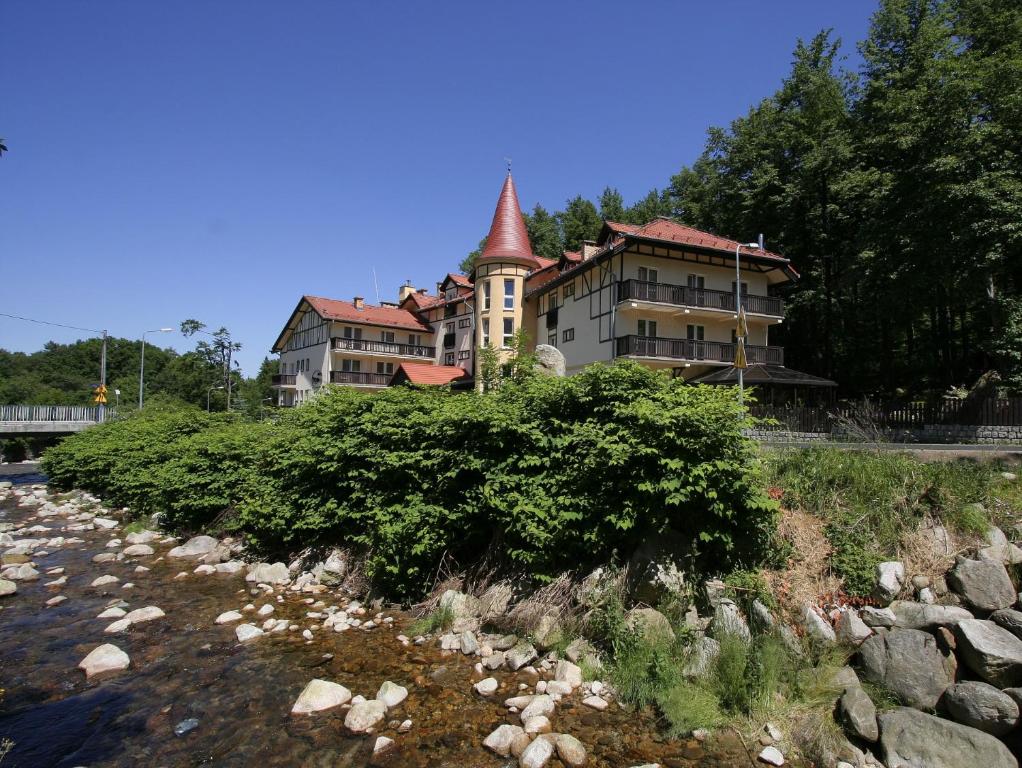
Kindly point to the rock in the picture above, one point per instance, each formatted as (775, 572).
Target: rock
(265, 573)
(227, 617)
(230, 567)
(549, 360)
(102, 581)
(570, 750)
(319, 695)
(878, 617)
(702, 654)
(112, 613)
(365, 715)
(486, 687)
(990, 651)
(205, 570)
(494, 661)
(197, 546)
(519, 656)
(7, 588)
(916, 740)
(540, 705)
(148, 613)
(761, 616)
(104, 557)
(142, 537)
(501, 739)
(817, 627)
(105, 658)
(381, 745)
(890, 578)
(118, 626)
(653, 572)
(595, 702)
(728, 620)
(468, 644)
(246, 632)
(858, 714)
(981, 706)
(460, 605)
(536, 724)
(909, 663)
(391, 694)
(335, 568)
(24, 572)
(771, 756)
(566, 672)
(537, 754)
(496, 600)
(1009, 619)
(850, 629)
(186, 726)
(56, 600)
(982, 584)
(547, 631)
(138, 550)
(650, 624)
(920, 616)
(104, 522)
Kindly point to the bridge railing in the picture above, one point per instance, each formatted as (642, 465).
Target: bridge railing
(93, 413)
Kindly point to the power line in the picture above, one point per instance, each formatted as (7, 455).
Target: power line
(46, 322)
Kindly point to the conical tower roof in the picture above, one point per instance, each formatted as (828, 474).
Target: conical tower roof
(508, 239)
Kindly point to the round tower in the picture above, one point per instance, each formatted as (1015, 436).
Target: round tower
(499, 275)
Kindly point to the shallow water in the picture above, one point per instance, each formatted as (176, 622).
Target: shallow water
(185, 666)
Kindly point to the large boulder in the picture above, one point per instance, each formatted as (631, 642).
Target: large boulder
(850, 629)
(7, 587)
(105, 658)
(334, 569)
(267, 573)
(319, 695)
(817, 628)
(990, 651)
(1010, 619)
(890, 578)
(702, 654)
(549, 360)
(983, 584)
(728, 620)
(365, 715)
(649, 623)
(197, 546)
(909, 615)
(913, 739)
(858, 714)
(459, 605)
(981, 706)
(909, 663)
(653, 572)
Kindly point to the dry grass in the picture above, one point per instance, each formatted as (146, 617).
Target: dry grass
(556, 599)
(927, 551)
(807, 574)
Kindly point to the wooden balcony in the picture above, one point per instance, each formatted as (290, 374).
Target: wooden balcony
(382, 348)
(697, 298)
(283, 380)
(359, 379)
(692, 351)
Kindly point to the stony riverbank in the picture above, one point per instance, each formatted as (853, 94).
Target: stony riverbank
(127, 647)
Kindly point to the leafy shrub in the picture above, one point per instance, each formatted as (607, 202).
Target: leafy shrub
(548, 474)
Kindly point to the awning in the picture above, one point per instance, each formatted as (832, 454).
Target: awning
(760, 373)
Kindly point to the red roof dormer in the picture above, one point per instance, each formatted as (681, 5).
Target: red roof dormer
(508, 239)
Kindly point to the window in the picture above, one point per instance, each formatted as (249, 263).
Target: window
(647, 328)
(509, 293)
(486, 295)
(415, 339)
(696, 332)
(696, 281)
(486, 331)
(509, 332)
(464, 354)
(449, 340)
(451, 293)
(308, 366)
(551, 339)
(450, 310)
(465, 322)
(449, 328)
(648, 275)
(551, 318)
(449, 358)
(387, 336)
(568, 334)
(387, 368)
(352, 333)
(351, 366)
(745, 288)
(569, 289)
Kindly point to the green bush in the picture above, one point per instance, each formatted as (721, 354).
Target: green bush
(547, 474)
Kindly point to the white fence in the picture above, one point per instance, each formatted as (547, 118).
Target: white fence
(76, 413)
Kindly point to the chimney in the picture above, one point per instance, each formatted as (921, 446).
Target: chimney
(588, 249)
(405, 291)
(359, 303)
(423, 291)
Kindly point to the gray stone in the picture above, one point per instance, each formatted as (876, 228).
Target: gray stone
(653, 572)
(1010, 619)
(105, 658)
(715, 590)
(365, 715)
(186, 726)
(246, 632)
(878, 617)
(771, 756)
(858, 714)
(537, 754)
(990, 651)
(197, 546)
(541, 704)
(566, 672)
(890, 578)
(502, 738)
(850, 629)
(142, 537)
(391, 694)
(23, 572)
(981, 706)
(334, 569)
(728, 620)
(913, 739)
(519, 656)
(486, 686)
(7, 588)
(319, 695)
(227, 617)
(702, 653)
(911, 615)
(547, 631)
(138, 550)
(649, 623)
(460, 605)
(817, 628)
(494, 661)
(496, 600)
(909, 663)
(761, 616)
(982, 584)
(468, 644)
(570, 750)
(549, 360)
(266, 573)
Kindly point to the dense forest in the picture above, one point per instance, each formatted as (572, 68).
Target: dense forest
(895, 189)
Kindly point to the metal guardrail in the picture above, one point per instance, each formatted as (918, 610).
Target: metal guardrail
(76, 413)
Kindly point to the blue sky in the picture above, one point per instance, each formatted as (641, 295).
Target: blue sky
(218, 160)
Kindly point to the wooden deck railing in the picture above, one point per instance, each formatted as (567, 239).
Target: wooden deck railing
(340, 344)
(684, 296)
(360, 379)
(691, 350)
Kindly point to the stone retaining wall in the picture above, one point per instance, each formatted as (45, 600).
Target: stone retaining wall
(930, 433)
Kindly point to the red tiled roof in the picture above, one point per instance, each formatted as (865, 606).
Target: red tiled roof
(334, 309)
(508, 237)
(574, 256)
(424, 373)
(666, 229)
(423, 300)
(544, 263)
(459, 279)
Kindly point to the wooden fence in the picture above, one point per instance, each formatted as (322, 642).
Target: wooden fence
(1005, 412)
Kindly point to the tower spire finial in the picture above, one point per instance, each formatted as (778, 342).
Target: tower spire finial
(508, 161)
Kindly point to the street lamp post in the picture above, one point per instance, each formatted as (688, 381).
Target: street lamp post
(210, 392)
(738, 310)
(141, 367)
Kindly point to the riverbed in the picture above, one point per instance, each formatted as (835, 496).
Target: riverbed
(230, 702)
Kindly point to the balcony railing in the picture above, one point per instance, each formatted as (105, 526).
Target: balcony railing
(698, 351)
(700, 298)
(284, 379)
(360, 379)
(381, 347)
